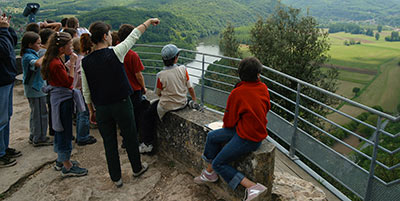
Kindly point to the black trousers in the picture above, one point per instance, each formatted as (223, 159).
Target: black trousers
(108, 117)
(149, 125)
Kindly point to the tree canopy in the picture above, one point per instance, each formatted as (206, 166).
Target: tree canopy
(293, 44)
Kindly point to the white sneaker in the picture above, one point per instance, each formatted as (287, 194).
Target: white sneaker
(143, 148)
(206, 177)
(255, 192)
(119, 183)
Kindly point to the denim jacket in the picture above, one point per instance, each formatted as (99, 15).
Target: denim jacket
(32, 79)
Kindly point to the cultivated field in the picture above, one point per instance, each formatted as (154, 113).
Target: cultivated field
(372, 67)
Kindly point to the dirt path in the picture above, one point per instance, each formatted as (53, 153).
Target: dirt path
(352, 69)
(351, 140)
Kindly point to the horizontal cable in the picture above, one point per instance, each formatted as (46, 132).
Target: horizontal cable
(153, 67)
(224, 83)
(225, 75)
(337, 125)
(150, 53)
(152, 60)
(279, 84)
(219, 90)
(390, 134)
(192, 67)
(337, 111)
(335, 138)
(282, 108)
(220, 65)
(285, 98)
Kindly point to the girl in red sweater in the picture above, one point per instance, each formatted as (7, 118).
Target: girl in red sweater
(60, 78)
(244, 128)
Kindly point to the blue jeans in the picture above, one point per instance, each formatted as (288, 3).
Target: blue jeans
(63, 140)
(220, 156)
(6, 94)
(82, 126)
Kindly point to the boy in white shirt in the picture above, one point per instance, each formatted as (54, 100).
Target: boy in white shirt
(172, 87)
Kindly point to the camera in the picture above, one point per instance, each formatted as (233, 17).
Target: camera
(30, 10)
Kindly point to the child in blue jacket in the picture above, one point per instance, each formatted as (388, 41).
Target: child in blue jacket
(33, 84)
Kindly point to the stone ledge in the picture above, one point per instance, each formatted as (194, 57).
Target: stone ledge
(182, 136)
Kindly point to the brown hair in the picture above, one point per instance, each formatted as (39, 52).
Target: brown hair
(85, 43)
(29, 37)
(57, 40)
(76, 45)
(32, 27)
(64, 22)
(98, 29)
(249, 68)
(72, 22)
(45, 35)
(71, 31)
(124, 31)
(115, 38)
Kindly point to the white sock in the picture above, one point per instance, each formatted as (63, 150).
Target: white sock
(209, 173)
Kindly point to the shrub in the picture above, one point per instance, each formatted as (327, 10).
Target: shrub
(365, 130)
(363, 116)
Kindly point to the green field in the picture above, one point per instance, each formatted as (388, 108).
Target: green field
(346, 88)
(371, 66)
(372, 55)
(369, 55)
(385, 89)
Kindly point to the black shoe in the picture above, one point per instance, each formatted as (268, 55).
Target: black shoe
(12, 153)
(7, 162)
(123, 145)
(73, 138)
(91, 140)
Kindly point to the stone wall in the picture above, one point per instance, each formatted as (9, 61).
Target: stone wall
(182, 136)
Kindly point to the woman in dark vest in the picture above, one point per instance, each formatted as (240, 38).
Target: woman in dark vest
(106, 90)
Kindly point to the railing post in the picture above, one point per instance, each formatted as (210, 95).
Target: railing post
(373, 161)
(202, 81)
(296, 115)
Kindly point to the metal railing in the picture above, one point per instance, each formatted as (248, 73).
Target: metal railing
(343, 168)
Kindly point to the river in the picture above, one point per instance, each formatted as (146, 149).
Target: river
(205, 46)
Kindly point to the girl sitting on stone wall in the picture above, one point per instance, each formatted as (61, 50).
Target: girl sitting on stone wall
(245, 122)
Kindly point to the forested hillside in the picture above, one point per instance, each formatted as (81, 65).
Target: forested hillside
(379, 11)
(172, 28)
(205, 16)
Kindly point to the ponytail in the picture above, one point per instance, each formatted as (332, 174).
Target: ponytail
(57, 40)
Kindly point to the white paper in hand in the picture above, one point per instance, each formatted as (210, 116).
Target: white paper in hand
(215, 125)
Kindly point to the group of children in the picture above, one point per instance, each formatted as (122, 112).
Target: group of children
(35, 44)
(109, 80)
